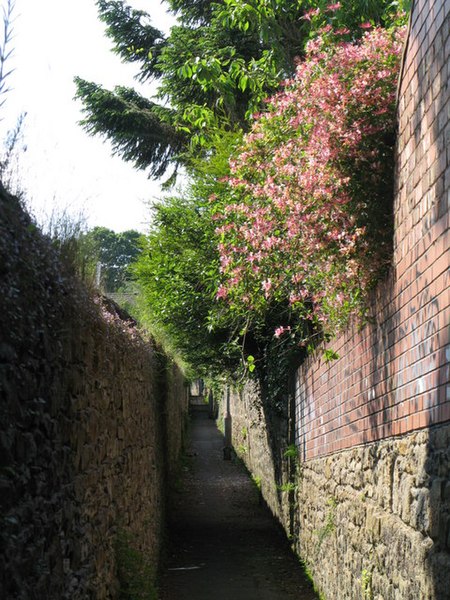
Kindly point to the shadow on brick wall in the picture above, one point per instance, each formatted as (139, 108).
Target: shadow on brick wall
(409, 387)
(433, 96)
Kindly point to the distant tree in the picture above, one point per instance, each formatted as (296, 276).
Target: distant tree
(114, 251)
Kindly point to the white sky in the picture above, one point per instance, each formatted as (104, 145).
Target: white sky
(54, 40)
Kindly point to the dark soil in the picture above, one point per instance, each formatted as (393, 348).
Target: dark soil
(224, 544)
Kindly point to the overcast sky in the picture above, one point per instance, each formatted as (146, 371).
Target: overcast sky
(54, 40)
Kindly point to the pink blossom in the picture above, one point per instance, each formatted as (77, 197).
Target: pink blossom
(366, 25)
(335, 6)
(290, 220)
(280, 330)
(342, 31)
(311, 13)
(266, 286)
(221, 292)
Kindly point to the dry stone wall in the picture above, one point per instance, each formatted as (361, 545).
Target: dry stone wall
(91, 420)
(251, 441)
(367, 502)
(373, 521)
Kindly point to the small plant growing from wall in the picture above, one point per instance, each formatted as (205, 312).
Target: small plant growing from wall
(290, 486)
(257, 481)
(241, 450)
(366, 584)
(291, 452)
(135, 572)
(294, 465)
(330, 521)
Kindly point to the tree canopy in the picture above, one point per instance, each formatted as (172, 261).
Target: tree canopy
(214, 70)
(247, 143)
(115, 252)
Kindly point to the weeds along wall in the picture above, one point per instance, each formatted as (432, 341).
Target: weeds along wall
(365, 496)
(91, 421)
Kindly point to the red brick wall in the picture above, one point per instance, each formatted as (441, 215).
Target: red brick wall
(393, 376)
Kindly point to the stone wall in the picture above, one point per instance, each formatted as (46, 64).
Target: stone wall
(91, 420)
(374, 521)
(260, 438)
(367, 500)
(371, 522)
(251, 440)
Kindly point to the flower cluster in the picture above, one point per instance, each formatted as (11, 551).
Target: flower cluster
(306, 216)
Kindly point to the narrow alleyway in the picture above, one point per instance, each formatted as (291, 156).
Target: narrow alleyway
(223, 544)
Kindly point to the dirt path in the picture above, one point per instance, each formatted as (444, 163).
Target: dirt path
(223, 544)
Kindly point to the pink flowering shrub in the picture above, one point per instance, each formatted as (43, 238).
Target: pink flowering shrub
(306, 219)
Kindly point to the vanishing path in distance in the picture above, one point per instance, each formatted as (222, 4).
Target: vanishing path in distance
(223, 545)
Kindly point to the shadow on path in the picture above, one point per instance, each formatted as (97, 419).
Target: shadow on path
(223, 544)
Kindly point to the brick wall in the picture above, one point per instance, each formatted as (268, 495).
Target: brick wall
(393, 376)
(373, 427)
(367, 503)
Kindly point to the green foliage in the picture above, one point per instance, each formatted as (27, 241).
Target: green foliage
(257, 481)
(135, 573)
(115, 252)
(135, 39)
(209, 74)
(139, 130)
(366, 584)
(251, 363)
(177, 273)
(214, 70)
(291, 452)
(329, 355)
(290, 486)
(241, 450)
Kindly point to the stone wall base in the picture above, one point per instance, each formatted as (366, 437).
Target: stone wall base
(374, 521)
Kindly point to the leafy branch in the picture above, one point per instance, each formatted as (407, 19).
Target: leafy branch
(5, 51)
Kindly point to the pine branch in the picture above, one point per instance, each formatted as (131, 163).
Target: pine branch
(135, 39)
(140, 131)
